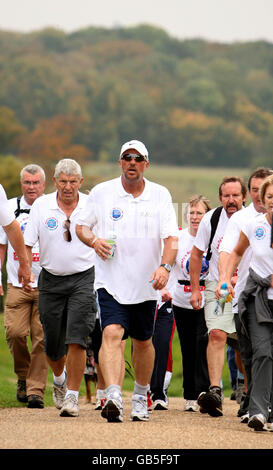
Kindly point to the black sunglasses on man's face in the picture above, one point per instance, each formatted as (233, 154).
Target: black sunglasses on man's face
(129, 156)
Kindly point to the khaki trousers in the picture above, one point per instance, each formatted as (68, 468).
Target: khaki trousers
(21, 318)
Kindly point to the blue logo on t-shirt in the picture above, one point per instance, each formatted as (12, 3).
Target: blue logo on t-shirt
(51, 223)
(260, 233)
(204, 267)
(116, 214)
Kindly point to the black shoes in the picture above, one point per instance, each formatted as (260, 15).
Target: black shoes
(34, 401)
(21, 394)
(211, 402)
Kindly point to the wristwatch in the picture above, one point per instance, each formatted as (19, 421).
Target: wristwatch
(167, 267)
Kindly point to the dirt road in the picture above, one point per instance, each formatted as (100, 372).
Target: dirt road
(22, 428)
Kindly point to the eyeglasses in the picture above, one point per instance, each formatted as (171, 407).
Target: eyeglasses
(129, 156)
(67, 233)
(29, 183)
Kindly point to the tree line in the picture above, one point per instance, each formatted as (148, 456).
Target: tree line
(82, 94)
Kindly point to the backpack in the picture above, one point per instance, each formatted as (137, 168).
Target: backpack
(213, 223)
(19, 211)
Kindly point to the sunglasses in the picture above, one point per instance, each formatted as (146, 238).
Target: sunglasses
(67, 233)
(129, 156)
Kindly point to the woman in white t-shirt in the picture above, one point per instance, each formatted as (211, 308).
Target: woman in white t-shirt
(191, 326)
(256, 306)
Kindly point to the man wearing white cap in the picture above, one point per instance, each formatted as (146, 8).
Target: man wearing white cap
(142, 217)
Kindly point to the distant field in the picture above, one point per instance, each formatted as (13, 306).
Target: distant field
(182, 182)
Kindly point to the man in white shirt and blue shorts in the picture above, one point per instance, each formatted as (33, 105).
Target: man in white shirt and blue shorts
(128, 285)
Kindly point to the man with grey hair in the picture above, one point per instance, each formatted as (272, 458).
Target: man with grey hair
(21, 315)
(67, 302)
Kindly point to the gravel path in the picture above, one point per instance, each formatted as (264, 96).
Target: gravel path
(23, 428)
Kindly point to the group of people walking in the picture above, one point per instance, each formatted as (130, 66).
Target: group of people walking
(65, 276)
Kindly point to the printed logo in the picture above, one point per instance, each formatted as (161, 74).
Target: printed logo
(116, 213)
(260, 233)
(51, 223)
(219, 243)
(185, 265)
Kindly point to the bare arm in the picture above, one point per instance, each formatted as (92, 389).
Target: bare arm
(222, 267)
(3, 249)
(160, 276)
(235, 258)
(16, 239)
(101, 247)
(195, 269)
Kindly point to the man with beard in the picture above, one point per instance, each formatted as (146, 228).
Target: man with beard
(232, 195)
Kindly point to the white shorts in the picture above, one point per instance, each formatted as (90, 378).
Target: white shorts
(223, 322)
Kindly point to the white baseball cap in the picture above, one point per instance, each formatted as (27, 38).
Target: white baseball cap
(136, 145)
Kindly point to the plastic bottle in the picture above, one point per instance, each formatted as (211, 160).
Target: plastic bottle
(111, 239)
(225, 297)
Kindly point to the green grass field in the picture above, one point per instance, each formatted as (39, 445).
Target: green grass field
(8, 379)
(182, 182)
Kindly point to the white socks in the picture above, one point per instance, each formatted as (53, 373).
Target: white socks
(60, 379)
(72, 392)
(141, 389)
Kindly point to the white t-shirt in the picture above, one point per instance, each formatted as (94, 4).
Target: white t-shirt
(203, 237)
(140, 225)
(45, 225)
(230, 239)
(258, 232)
(12, 260)
(181, 268)
(6, 214)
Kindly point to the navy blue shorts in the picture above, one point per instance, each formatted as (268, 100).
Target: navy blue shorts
(136, 319)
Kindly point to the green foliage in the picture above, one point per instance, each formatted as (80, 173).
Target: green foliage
(190, 101)
(10, 168)
(10, 129)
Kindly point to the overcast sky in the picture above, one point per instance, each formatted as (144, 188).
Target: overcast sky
(216, 20)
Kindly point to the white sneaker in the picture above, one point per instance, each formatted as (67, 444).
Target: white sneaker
(58, 394)
(258, 422)
(113, 409)
(160, 405)
(139, 408)
(70, 406)
(191, 405)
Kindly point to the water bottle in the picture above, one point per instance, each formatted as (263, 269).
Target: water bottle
(111, 239)
(225, 297)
